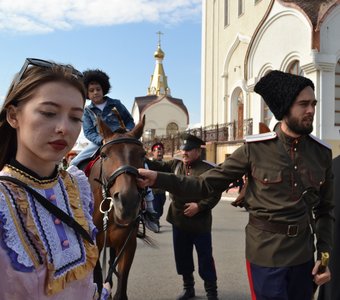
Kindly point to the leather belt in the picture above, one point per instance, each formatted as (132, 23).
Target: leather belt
(291, 230)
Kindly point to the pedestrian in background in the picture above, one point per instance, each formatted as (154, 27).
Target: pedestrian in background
(159, 194)
(191, 221)
(289, 195)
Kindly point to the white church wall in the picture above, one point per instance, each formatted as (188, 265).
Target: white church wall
(159, 115)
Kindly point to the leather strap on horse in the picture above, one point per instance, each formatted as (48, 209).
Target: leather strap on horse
(56, 211)
(112, 267)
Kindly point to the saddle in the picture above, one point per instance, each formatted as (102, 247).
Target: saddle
(89, 166)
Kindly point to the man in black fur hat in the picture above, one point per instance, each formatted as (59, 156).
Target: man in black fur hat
(289, 195)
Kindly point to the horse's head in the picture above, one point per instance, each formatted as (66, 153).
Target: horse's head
(120, 156)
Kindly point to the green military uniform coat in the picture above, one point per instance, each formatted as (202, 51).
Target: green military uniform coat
(202, 221)
(273, 194)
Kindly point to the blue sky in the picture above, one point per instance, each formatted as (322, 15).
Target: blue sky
(116, 36)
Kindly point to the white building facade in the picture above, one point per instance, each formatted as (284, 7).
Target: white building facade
(245, 39)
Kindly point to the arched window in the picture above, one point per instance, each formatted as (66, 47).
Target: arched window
(294, 68)
(236, 118)
(226, 13)
(266, 112)
(337, 94)
(240, 8)
(172, 129)
(240, 108)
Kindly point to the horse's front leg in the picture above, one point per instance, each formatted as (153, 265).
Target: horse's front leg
(124, 265)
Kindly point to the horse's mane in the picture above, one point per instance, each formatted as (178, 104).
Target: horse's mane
(120, 130)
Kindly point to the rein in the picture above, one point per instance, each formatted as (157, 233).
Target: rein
(106, 184)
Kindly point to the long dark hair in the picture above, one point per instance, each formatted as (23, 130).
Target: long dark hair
(24, 90)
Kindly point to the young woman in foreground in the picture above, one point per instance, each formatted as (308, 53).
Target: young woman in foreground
(40, 256)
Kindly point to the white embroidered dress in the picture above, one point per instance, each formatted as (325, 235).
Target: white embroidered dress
(40, 257)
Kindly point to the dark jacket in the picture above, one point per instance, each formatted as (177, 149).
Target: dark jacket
(273, 194)
(202, 221)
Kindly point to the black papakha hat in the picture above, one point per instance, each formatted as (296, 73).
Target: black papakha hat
(97, 76)
(191, 142)
(157, 145)
(279, 90)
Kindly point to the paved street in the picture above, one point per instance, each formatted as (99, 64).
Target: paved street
(153, 275)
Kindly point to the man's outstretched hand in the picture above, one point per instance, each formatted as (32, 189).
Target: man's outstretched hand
(147, 178)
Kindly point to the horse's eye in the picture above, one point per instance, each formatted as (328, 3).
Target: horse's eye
(103, 155)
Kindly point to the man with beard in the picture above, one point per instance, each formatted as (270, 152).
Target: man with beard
(289, 195)
(191, 221)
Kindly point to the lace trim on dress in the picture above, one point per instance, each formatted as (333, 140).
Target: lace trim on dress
(15, 241)
(68, 257)
(86, 197)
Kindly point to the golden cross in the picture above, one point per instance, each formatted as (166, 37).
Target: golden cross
(159, 37)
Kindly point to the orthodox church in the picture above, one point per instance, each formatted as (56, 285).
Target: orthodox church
(164, 114)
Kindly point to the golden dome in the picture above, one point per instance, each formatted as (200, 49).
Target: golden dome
(159, 53)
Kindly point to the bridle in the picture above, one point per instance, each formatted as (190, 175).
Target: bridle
(106, 184)
(125, 169)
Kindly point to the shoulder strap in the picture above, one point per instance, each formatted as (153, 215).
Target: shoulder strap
(260, 137)
(321, 142)
(56, 211)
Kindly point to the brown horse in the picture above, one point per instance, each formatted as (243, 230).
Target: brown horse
(113, 182)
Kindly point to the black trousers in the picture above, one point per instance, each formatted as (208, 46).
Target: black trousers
(184, 243)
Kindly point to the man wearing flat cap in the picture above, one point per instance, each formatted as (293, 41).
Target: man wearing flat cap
(289, 195)
(191, 142)
(191, 221)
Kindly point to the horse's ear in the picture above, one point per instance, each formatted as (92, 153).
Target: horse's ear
(137, 131)
(104, 130)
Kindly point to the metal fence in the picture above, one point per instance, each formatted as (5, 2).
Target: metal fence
(219, 133)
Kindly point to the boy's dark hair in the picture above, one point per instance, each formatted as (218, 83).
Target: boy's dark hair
(97, 76)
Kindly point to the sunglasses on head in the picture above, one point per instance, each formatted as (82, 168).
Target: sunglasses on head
(45, 64)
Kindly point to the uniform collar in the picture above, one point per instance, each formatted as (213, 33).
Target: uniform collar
(286, 139)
